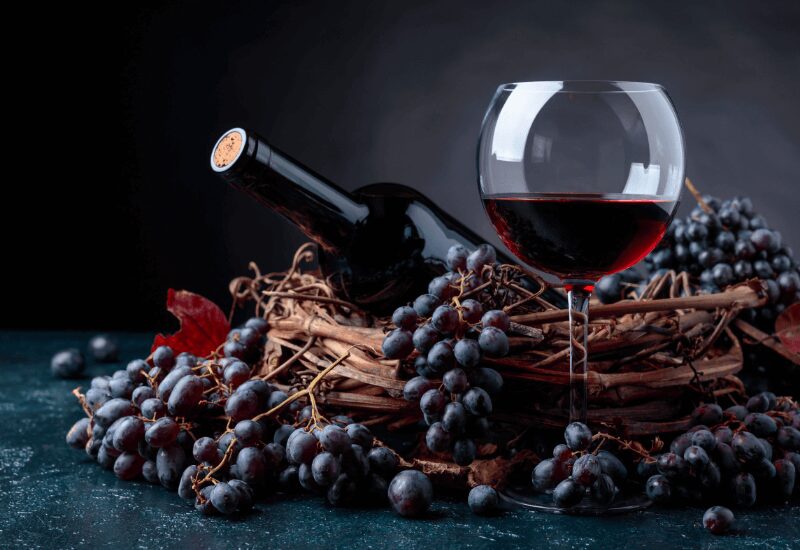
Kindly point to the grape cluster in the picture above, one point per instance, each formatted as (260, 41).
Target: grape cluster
(574, 473)
(742, 454)
(447, 334)
(729, 244)
(197, 427)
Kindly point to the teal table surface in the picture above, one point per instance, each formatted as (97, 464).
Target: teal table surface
(54, 497)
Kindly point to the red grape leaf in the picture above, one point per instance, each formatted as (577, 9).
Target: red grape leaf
(787, 327)
(203, 324)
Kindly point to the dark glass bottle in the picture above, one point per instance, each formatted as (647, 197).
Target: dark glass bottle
(379, 246)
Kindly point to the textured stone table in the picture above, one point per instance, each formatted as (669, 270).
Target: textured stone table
(54, 497)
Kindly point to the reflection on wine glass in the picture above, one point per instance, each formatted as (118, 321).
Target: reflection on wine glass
(580, 179)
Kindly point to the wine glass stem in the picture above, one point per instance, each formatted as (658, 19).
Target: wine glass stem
(578, 361)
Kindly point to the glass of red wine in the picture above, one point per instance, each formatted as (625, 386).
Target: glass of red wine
(580, 179)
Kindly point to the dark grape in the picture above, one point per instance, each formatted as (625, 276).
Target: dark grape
(248, 433)
(763, 270)
(471, 310)
(424, 338)
(104, 349)
(242, 405)
(445, 319)
(586, 470)
(78, 434)
(168, 384)
(477, 401)
(112, 410)
(150, 471)
(609, 289)
(704, 439)
(483, 500)
(788, 437)
(438, 439)
(723, 434)
(723, 274)
(744, 489)
(410, 493)
(225, 498)
(763, 470)
(464, 452)
(764, 239)
(658, 489)
(743, 269)
(288, 479)
(483, 255)
(252, 465)
(128, 433)
(360, 435)
(493, 342)
(454, 419)
(708, 414)
(128, 465)
(486, 378)
(496, 318)
(203, 502)
(467, 353)
(603, 490)
(67, 364)
(422, 367)
(162, 432)
(170, 463)
(186, 358)
(325, 468)
(744, 249)
(737, 411)
(609, 463)
(456, 259)
(432, 402)
(578, 436)
(747, 448)
(342, 491)
(696, 457)
(236, 374)
(671, 465)
(205, 450)
(405, 317)
(455, 380)
(153, 408)
(186, 395)
(334, 440)
(568, 493)
(681, 443)
(718, 520)
(416, 387)
(441, 357)
(760, 425)
(382, 461)
(785, 479)
(398, 344)
(546, 475)
(185, 489)
(164, 358)
(696, 231)
(711, 476)
(425, 304)
(355, 462)
(275, 398)
(301, 447)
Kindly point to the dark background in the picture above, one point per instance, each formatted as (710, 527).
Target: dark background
(114, 201)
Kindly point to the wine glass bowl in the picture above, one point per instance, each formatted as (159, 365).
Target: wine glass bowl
(580, 179)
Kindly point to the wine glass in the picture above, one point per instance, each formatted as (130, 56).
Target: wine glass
(580, 180)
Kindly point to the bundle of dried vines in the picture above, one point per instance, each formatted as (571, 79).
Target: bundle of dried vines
(647, 355)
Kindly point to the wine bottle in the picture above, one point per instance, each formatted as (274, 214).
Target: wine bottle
(379, 246)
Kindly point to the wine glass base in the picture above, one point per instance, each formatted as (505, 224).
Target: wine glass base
(522, 497)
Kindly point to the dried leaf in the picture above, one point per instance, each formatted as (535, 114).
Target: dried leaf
(203, 324)
(787, 327)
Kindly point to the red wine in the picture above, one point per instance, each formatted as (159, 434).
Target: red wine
(378, 246)
(580, 236)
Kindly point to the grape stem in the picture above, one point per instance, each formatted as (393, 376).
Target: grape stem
(308, 391)
(82, 400)
(286, 364)
(697, 196)
(632, 446)
(197, 482)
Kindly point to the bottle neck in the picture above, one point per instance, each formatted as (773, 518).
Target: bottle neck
(324, 212)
